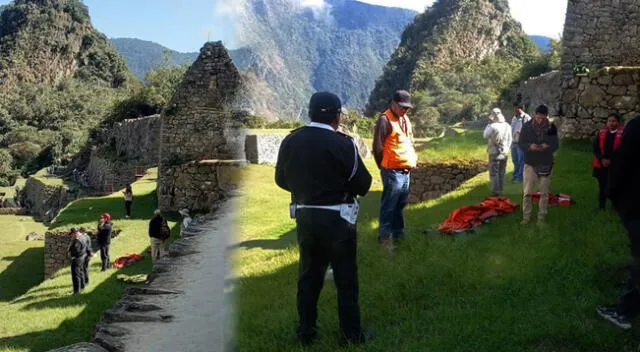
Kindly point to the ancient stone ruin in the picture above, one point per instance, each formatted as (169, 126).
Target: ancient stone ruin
(432, 180)
(198, 136)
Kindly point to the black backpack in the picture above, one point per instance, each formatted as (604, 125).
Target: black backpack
(165, 231)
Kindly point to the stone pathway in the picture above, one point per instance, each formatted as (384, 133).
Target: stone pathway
(184, 308)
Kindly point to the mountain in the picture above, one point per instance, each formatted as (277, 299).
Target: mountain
(542, 42)
(456, 58)
(340, 46)
(142, 55)
(44, 41)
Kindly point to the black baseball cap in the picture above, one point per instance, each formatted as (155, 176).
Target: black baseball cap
(325, 103)
(403, 98)
(73, 230)
(542, 109)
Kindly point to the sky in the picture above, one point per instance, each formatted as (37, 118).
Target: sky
(184, 25)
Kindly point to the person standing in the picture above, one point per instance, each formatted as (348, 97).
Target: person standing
(104, 240)
(539, 140)
(128, 200)
(77, 252)
(498, 134)
(517, 154)
(395, 156)
(89, 254)
(604, 145)
(624, 192)
(324, 173)
(158, 232)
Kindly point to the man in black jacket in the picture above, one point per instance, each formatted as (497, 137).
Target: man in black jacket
(538, 140)
(157, 235)
(104, 240)
(324, 173)
(77, 253)
(624, 192)
(85, 266)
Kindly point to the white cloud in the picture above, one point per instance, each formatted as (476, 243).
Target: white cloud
(540, 17)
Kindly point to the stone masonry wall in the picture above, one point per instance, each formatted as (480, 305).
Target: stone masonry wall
(263, 148)
(431, 181)
(544, 89)
(44, 201)
(137, 139)
(601, 33)
(198, 186)
(105, 175)
(588, 100)
(198, 125)
(56, 245)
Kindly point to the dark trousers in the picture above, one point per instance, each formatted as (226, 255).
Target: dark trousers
(325, 238)
(603, 179)
(77, 273)
(85, 269)
(104, 256)
(630, 302)
(127, 207)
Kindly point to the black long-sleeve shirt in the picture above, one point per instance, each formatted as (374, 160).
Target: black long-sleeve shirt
(77, 248)
(104, 233)
(608, 146)
(624, 173)
(547, 133)
(315, 165)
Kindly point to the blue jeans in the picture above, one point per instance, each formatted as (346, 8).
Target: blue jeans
(395, 195)
(517, 155)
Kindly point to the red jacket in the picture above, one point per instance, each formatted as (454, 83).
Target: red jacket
(602, 136)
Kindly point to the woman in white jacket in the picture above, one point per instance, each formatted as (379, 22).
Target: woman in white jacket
(498, 134)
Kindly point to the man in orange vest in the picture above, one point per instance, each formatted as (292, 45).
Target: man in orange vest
(395, 155)
(604, 146)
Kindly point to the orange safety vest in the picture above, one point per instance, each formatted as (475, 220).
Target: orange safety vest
(602, 136)
(397, 151)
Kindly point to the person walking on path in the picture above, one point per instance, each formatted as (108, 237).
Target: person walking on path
(77, 252)
(85, 267)
(395, 156)
(186, 220)
(324, 173)
(605, 144)
(104, 240)
(128, 200)
(159, 232)
(624, 192)
(498, 134)
(539, 140)
(517, 154)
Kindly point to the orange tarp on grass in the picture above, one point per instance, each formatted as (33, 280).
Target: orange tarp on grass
(469, 217)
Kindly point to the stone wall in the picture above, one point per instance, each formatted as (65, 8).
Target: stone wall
(587, 100)
(56, 245)
(263, 148)
(137, 139)
(198, 185)
(432, 180)
(43, 201)
(198, 125)
(601, 33)
(106, 175)
(544, 89)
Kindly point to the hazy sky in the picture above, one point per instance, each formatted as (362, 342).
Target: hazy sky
(184, 25)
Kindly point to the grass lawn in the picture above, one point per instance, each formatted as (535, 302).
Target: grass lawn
(505, 287)
(41, 315)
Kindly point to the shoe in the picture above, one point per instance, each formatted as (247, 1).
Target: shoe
(387, 244)
(540, 222)
(612, 315)
(328, 276)
(364, 337)
(308, 339)
(525, 222)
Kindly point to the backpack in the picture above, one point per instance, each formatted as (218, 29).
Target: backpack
(165, 231)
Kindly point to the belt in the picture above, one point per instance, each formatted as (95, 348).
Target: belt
(403, 171)
(326, 207)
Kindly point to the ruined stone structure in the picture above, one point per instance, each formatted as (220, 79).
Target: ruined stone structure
(432, 180)
(130, 147)
(543, 89)
(263, 148)
(198, 126)
(599, 34)
(56, 245)
(43, 201)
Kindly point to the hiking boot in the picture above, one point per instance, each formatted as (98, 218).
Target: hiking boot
(612, 315)
(308, 339)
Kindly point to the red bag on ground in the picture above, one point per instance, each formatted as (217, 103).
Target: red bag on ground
(469, 217)
(561, 199)
(127, 260)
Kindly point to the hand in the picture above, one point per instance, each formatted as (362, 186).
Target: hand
(544, 146)
(606, 162)
(534, 147)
